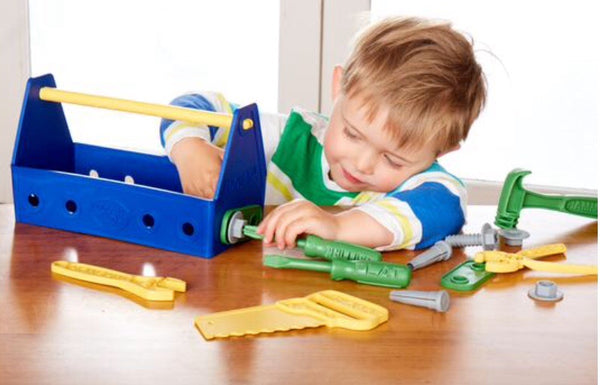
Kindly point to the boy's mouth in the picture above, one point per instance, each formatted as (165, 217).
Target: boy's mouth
(350, 177)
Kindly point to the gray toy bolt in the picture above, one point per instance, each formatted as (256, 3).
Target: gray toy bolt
(513, 237)
(488, 238)
(236, 226)
(440, 251)
(436, 300)
(546, 291)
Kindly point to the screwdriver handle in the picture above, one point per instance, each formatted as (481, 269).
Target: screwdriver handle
(316, 247)
(372, 273)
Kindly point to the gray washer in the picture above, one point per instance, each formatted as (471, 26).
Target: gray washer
(546, 291)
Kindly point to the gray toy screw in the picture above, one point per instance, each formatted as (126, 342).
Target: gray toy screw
(546, 291)
(437, 300)
(236, 226)
(440, 251)
(513, 237)
(488, 238)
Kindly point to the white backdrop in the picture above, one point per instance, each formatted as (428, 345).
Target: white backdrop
(153, 51)
(542, 64)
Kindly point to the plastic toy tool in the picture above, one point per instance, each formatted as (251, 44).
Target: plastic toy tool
(316, 247)
(78, 187)
(324, 308)
(501, 262)
(515, 197)
(467, 276)
(238, 225)
(149, 288)
(367, 272)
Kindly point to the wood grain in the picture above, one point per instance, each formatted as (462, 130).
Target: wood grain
(58, 331)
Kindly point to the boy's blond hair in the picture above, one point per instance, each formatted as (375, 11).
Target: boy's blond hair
(425, 73)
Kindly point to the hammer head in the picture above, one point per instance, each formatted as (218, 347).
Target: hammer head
(511, 199)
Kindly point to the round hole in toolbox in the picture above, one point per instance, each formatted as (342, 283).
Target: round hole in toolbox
(148, 221)
(459, 279)
(129, 179)
(33, 200)
(478, 266)
(71, 206)
(94, 173)
(188, 229)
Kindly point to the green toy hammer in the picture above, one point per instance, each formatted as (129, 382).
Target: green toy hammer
(514, 198)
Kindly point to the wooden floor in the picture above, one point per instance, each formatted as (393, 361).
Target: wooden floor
(59, 331)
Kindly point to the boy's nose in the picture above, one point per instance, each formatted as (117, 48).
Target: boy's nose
(365, 162)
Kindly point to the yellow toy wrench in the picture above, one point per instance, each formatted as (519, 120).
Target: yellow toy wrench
(501, 262)
(149, 288)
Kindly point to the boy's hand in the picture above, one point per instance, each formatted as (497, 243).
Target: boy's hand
(283, 225)
(199, 166)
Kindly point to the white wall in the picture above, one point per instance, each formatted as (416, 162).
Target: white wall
(153, 51)
(342, 19)
(300, 33)
(541, 61)
(14, 71)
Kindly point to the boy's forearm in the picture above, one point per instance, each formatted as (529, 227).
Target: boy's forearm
(360, 228)
(186, 147)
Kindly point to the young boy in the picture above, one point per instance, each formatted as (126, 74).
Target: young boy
(407, 95)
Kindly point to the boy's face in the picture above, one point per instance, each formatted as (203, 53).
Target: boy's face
(363, 156)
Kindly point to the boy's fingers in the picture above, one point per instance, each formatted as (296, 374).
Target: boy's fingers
(288, 218)
(271, 222)
(293, 231)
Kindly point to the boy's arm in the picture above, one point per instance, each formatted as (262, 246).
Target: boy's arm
(284, 224)
(172, 132)
(419, 217)
(411, 219)
(193, 149)
(197, 151)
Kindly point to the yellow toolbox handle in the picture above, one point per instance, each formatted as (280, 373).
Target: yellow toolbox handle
(188, 115)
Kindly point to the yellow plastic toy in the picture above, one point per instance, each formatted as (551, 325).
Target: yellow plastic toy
(149, 288)
(324, 308)
(501, 262)
(188, 115)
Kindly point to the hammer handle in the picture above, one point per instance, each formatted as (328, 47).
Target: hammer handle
(584, 206)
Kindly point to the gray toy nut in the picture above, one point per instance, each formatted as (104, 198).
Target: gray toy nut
(546, 291)
(513, 237)
(236, 226)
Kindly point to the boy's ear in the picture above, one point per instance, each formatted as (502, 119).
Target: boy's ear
(336, 82)
(451, 149)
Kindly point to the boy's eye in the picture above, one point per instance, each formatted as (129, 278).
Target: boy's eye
(392, 162)
(350, 134)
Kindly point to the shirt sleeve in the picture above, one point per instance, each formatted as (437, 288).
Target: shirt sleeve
(420, 216)
(171, 132)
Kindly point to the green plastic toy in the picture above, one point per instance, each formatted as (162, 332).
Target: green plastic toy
(317, 247)
(515, 197)
(239, 224)
(467, 276)
(367, 272)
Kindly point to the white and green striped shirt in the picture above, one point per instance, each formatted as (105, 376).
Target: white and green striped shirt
(424, 209)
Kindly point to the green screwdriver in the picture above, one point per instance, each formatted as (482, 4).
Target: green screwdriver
(317, 247)
(367, 272)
